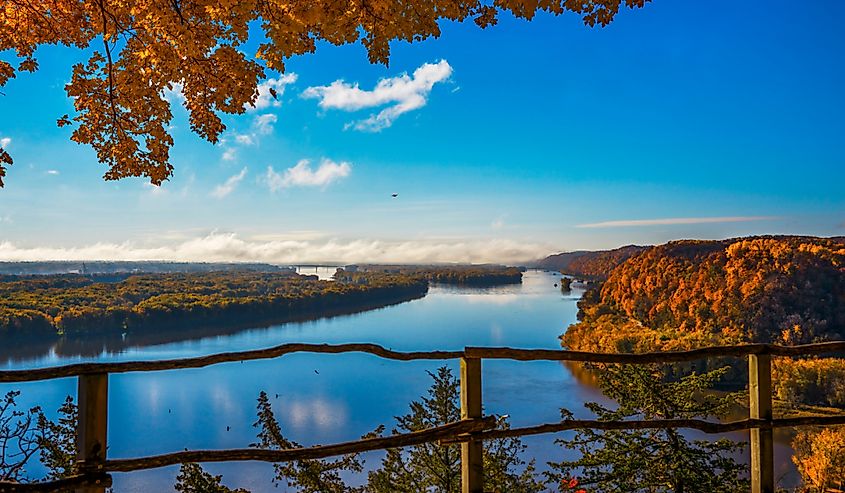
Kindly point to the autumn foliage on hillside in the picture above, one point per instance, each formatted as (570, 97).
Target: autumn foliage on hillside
(599, 265)
(685, 294)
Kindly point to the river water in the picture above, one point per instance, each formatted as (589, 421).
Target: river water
(321, 399)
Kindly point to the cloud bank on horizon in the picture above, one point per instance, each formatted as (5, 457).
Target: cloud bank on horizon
(230, 247)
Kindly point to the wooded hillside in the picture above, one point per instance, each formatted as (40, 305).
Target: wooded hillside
(687, 294)
(767, 289)
(591, 265)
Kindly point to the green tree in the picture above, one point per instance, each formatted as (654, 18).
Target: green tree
(58, 441)
(193, 479)
(422, 468)
(435, 468)
(652, 461)
(307, 476)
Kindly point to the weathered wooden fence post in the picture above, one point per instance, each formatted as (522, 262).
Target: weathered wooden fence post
(760, 407)
(92, 428)
(472, 465)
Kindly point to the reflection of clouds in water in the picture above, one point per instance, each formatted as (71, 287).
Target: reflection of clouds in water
(153, 395)
(310, 413)
(224, 402)
(493, 299)
(496, 333)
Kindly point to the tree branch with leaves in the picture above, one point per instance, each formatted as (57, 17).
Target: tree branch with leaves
(149, 47)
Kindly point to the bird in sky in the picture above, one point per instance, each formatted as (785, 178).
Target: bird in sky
(394, 195)
(274, 94)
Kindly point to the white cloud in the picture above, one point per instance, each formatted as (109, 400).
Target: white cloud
(229, 153)
(263, 124)
(265, 97)
(402, 93)
(229, 247)
(675, 221)
(229, 186)
(303, 175)
(245, 139)
(4, 142)
(52, 172)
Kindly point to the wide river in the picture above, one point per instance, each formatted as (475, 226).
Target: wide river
(321, 399)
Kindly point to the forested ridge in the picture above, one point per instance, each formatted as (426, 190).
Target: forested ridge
(687, 294)
(590, 265)
(77, 304)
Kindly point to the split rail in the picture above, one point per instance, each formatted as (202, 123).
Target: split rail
(94, 467)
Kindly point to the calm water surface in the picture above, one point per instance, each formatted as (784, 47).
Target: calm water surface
(331, 398)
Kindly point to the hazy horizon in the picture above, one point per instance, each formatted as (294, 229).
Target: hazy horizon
(229, 248)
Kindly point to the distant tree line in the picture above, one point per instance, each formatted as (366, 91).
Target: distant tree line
(47, 267)
(469, 275)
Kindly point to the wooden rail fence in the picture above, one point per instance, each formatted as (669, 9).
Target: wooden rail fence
(93, 466)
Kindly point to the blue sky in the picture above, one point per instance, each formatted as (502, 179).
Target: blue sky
(680, 120)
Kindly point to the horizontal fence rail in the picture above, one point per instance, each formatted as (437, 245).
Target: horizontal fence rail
(93, 465)
(430, 435)
(89, 480)
(653, 424)
(76, 369)
(658, 357)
